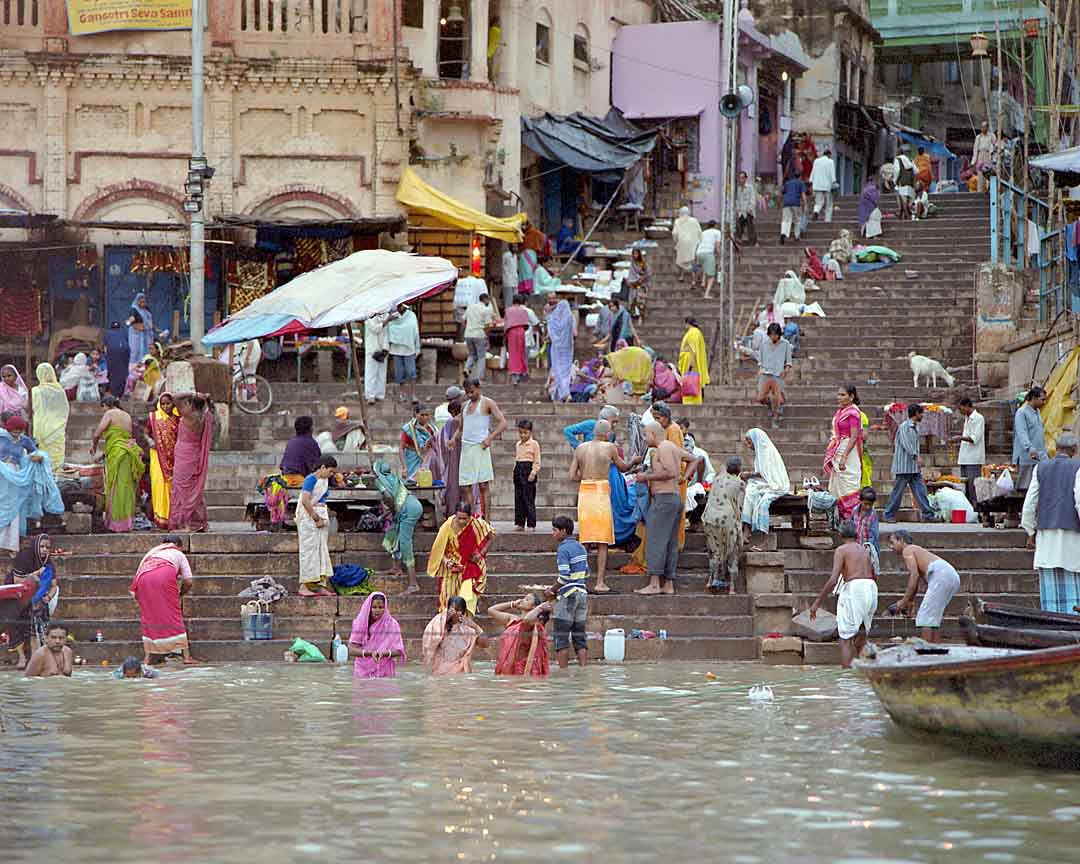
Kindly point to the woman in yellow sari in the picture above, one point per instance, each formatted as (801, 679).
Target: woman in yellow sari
(459, 557)
(163, 422)
(692, 358)
(634, 365)
(51, 410)
(867, 478)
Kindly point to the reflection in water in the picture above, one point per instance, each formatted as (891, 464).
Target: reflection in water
(293, 763)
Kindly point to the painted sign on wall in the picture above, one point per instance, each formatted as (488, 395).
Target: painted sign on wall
(99, 16)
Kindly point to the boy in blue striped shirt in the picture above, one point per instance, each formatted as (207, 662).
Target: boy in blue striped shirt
(572, 598)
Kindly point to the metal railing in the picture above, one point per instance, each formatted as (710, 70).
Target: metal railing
(1011, 211)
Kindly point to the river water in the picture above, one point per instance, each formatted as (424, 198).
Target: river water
(294, 763)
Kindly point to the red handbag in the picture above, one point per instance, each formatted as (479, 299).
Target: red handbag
(691, 384)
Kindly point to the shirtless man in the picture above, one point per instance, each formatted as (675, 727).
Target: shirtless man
(52, 658)
(853, 572)
(942, 583)
(114, 416)
(590, 468)
(665, 509)
(474, 435)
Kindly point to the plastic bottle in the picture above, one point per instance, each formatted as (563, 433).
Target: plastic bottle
(98, 637)
(341, 650)
(614, 645)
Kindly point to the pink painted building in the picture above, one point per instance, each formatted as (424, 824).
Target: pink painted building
(676, 73)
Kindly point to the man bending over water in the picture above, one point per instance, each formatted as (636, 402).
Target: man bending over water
(942, 583)
(52, 658)
(853, 580)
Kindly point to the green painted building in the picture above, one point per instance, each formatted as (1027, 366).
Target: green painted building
(926, 71)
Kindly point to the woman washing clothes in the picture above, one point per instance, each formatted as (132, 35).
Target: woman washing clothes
(768, 481)
(450, 638)
(163, 578)
(375, 640)
(407, 511)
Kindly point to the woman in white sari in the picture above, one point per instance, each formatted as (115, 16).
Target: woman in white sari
(768, 482)
(686, 232)
(51, 410)
(313, 530)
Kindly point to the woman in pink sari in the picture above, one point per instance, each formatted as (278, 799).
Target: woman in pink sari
(515, 325)
(163, 577)
(191, 461)
(843, 456)
(523, 648)
(450, 639)
(375, 640)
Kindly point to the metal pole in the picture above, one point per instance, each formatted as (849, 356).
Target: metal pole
(198, 220)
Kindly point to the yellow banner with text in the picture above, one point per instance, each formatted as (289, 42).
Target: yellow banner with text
(98, 16)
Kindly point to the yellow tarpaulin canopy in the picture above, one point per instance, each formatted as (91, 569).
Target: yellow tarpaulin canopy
(417, 195)
(1059, 411)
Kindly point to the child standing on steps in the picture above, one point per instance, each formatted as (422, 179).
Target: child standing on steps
(526, 470)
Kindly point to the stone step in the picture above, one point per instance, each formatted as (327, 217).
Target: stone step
(976, 582)
(234, 652)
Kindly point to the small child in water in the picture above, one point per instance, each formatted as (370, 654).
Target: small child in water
(132, 668)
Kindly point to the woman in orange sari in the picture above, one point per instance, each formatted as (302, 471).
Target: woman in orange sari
(523, 648)
(924, 168)
(459, 557)
(163, 423)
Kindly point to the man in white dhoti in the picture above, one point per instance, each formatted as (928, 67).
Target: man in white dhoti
(854, 582)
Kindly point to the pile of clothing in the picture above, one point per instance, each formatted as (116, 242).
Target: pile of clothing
(265, 588)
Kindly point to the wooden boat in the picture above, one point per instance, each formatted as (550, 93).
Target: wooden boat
(1004, 615)
(992, 699)
(990, 636)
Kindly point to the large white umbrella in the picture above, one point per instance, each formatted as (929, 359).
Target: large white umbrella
(353, 289)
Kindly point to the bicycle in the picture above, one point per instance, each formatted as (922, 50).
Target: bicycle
(252, 393)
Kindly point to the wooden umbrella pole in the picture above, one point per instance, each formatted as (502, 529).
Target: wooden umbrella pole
(360, 392)
(28, 359)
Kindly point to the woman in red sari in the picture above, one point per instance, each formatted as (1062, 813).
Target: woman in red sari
(459, 557)
(843, 456)
(515, 325)
(523, 648)
(190, 463)
(163, 578)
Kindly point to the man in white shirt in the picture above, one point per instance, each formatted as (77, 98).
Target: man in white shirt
(1051, 518)
(403, 333)
(745, 206)
(376, 352)
(509, 274)
(479, 316)
(972, 446)
(708, 253)
(822, 180)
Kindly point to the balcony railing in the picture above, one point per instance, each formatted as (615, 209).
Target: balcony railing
(300, 18)
(21, 17)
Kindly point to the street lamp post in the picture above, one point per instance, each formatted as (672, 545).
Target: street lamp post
(198, 176)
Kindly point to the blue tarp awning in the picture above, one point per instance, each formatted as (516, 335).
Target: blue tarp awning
(934, 148)
(602, 146)
(1063, 160)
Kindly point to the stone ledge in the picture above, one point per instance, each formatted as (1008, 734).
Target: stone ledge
(821, 653)
(781, 645)
(768, 601)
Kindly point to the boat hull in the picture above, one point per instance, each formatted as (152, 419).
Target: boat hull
(1028, 638)
(1004, 615)
(1024, 701)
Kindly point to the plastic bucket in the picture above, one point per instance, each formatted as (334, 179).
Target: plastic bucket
(615, 645)
(258, 627)
(959, 517)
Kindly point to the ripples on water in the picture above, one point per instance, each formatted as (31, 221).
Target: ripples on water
(294, 763)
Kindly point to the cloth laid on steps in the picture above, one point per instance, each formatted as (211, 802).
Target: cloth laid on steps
(265, 588)
(795, 310)
(350, 575)
(869, 254)
(858, 267)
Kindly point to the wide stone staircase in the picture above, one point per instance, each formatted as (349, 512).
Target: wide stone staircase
(873, 321)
